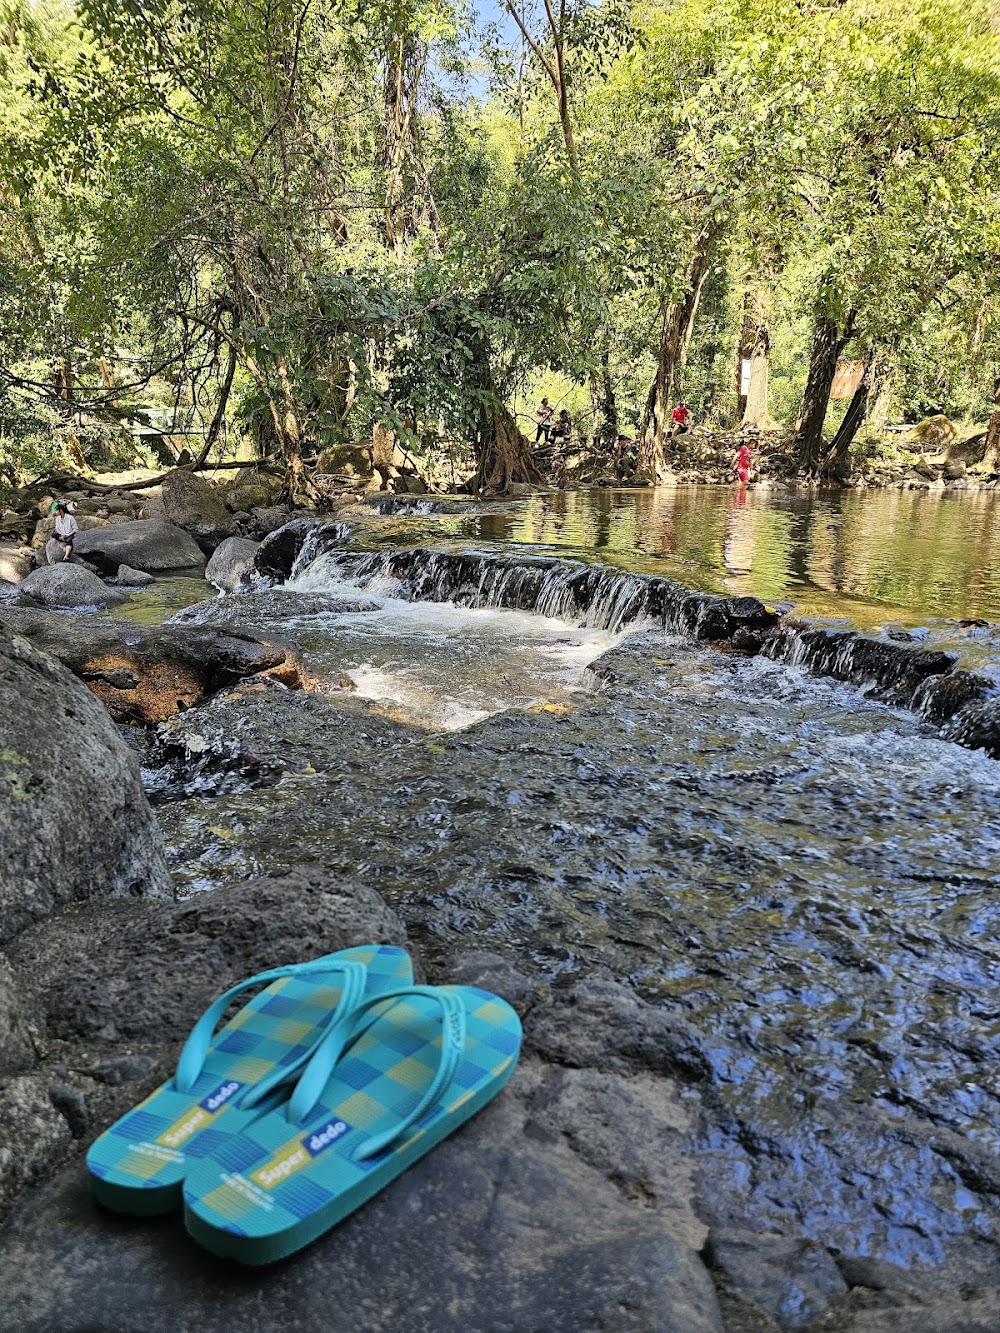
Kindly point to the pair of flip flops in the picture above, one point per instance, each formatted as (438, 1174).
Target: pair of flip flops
(336, 1076)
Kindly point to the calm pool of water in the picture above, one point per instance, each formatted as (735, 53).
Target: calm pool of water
(842, 553)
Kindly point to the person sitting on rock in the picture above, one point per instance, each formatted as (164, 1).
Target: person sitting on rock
(66, 530)
(626, 457)
(561, 430)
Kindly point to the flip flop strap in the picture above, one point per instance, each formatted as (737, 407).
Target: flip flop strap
(353, 977)
(346, 1032)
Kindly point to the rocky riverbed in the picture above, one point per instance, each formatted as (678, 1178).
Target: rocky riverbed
(748, 915)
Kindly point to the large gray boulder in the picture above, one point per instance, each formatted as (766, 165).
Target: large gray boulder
(194, 505)
(74, 821)
(145, 544)
(231, 560)
(69, 585)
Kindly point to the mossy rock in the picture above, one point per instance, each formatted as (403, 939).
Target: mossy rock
(355, 460)
(936, 431)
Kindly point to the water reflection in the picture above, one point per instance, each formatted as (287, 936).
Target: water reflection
(858, 555)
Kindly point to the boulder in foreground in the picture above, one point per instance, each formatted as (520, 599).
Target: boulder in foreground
(74, 821)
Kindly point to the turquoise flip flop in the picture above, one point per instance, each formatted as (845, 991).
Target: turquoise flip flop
(382, 1089)
(225, 1081)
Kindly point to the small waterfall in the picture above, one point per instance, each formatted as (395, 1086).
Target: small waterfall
(895, 672)
(964, 704)
(595, 596)
(294, 547)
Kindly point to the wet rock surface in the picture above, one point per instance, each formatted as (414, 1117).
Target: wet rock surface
(270, 606)
(714, 895)
(283, 550)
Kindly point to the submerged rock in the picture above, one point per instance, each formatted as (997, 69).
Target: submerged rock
(146, 544)
(74, 822)
(267, 606)
(792, 1281)
(70, 585)
(977, 726)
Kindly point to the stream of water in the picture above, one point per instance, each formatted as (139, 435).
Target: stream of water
(883, 561)
(809, 877)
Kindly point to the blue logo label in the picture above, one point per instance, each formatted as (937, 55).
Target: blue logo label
(217, 1099)
(319, 1139)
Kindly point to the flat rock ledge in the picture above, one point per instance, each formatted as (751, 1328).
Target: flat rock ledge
(571, 1203)
(566, 1205)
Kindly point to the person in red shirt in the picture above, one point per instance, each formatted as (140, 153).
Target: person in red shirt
(679, 419)
(741, 464)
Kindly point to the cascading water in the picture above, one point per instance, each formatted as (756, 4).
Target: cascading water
(601, 597)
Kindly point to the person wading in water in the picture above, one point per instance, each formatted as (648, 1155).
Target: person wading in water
(741, 464)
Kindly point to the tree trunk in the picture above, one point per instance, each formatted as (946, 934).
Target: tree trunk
(829, 340)
(755, 346)
(857, 408)
(991, 458)
(289, 433)
(503, 454)
(675, 339)
(604, 405)
(400, 151)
